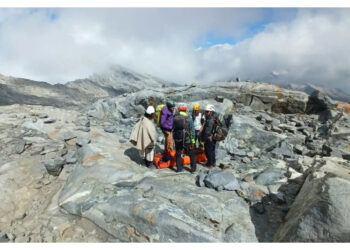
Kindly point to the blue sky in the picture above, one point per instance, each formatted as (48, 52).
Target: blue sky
(268, 16)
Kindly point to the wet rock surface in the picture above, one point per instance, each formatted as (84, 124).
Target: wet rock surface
(282, 172)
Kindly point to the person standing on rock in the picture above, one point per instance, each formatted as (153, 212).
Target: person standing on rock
(184, 137)
(207, 135)
(144, 135)
(166, 124)
(198, 120)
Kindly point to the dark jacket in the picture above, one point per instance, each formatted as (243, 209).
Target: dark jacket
(166, 119)
(208, 128)
(190, 138)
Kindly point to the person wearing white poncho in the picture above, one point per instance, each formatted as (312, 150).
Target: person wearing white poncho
(144, 135)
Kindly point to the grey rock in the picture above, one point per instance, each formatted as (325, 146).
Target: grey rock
(246, 109)
(297, 122)
(85, 129)
(84, 122)
(299, 149)
(276, 129)
(54, 146)
(200, 178)
(246, 160)
(287, 127)
(109, 129)
(20, 146)
(224, 179)
(264, 117)
(259, 208)
(43, 116)
(247, 133)
(346, 156)
(278, 198)
(54, 166)
(320, 211)
(68, 135)
(219, 98)
(271, 176)
(250, 155)
(3, 237)
(48, 121)
(115, 200)
(283, 149)
(81, 141)
(295, 139)
(11, 237)
(71, 157)
(258, 104)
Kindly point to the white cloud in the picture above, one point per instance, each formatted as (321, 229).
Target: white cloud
(310, 47)
(314, 48)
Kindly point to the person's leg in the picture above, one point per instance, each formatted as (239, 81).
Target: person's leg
(170, 141)
(165, 141)
(213, 153)
(149, 156)
(192, 154)
(207, 152)
(196, 138)
(178, 147)
(210, 148)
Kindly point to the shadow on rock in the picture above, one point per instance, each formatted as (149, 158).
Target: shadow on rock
(269, 214)
(134, 155)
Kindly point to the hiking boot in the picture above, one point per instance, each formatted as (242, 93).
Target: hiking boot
(210, 165)
(148, 163)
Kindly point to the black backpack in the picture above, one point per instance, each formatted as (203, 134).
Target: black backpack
(220, 129)
(179, 131)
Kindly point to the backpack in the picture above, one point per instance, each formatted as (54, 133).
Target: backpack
(158, 114)
(220, 129)
(179, 128)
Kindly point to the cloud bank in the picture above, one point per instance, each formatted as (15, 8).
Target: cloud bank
(274, 45)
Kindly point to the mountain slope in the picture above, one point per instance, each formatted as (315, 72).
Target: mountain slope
(113, 82)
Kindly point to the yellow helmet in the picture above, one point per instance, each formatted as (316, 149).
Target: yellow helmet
(196, 107)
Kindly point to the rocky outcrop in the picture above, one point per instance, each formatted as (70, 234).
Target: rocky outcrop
(79, 179)
(320, 212)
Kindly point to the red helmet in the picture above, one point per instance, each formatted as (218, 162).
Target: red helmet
(182, 108)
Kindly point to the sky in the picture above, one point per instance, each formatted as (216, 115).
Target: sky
(277, 45)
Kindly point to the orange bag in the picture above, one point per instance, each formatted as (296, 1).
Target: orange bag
(185, 160)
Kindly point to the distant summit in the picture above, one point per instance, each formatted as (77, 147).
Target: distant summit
(114, 81)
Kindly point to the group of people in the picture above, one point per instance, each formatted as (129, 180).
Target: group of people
(184, 131)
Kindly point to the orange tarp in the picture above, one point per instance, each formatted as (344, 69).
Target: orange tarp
(200, 157)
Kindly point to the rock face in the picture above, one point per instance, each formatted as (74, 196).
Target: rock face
(247, 134)
(169, 208)
(320, 212)
(54, 166)
(281, 175)
(218, 180)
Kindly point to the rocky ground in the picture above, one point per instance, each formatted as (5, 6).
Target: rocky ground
(282, 174)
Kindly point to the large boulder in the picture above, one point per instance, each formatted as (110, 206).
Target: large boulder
(167, 208)
(219, 180)
(320, 212)
(54, 166)
(246, 133)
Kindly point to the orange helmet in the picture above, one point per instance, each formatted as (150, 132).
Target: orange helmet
(196, 107)
(182, 108)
